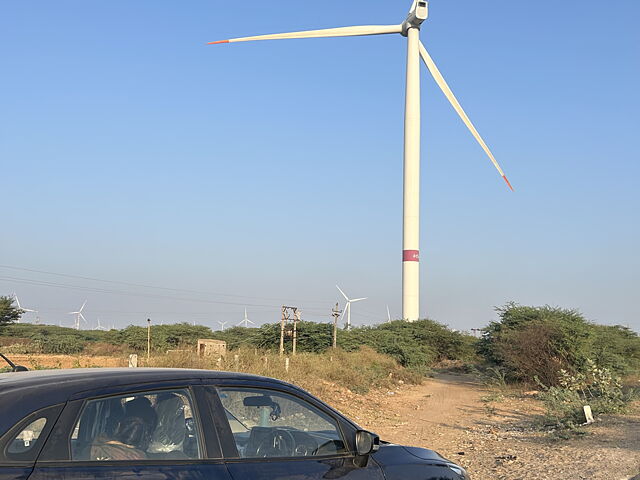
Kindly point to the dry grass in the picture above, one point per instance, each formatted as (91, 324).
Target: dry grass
(319, 373)
(335, 376)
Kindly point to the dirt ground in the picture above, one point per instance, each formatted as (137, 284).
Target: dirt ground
(495, 440)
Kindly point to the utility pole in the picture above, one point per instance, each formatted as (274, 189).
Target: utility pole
(296, 319)
(283, 319)
(335, 313)
(148, 339)
(289, 326)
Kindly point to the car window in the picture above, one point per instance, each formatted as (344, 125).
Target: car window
(269, 423)
(27, 438)
(153, 425)
(23, 442)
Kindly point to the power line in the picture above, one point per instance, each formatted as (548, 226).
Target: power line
(142, 295)
(140, 285)
(127, 294)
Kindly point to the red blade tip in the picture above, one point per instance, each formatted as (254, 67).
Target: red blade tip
(505, 179)
(219, 41)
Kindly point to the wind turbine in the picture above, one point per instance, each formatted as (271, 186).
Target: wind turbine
(222, 324)
(409, 28)
(347, 309)
(100, 327)
(79, 316)
(245, 320)
(24, 309)
(388, 315)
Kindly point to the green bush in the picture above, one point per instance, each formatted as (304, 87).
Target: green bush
(58, 344)
(536, 342)
(616, 348)
(539, 342)
(596, 387)
(416, 345)
(163, 337)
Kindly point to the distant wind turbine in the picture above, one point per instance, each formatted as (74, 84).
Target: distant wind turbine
(246, 320)
(222, 324)
(79, 316)
(388, 314)
(24, 309)
(100, 327)
(347, 309)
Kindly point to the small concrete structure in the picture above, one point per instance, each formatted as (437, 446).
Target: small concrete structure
(209, 346)
(133, 360)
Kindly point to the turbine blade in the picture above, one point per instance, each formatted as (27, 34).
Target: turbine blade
(343, 294)
(358, 299)
(344, 312)
(85, 302)
(323, 33)
(437, 76)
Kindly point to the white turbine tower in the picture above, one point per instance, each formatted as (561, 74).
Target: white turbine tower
(388, 315)
(222, 324)
(245, 320)
(347, 308)
(79, 316)
(24, 309)
(410, 28)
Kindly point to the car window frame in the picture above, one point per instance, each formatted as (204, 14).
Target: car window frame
(51, 413)
(227, 441)
(58, 451)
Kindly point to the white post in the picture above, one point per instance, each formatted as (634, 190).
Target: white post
(133, 360)
(411, 204)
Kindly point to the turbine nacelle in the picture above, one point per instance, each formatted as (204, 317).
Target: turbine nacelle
(418, 14)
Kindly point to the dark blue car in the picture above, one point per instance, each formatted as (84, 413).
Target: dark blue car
(188, 425)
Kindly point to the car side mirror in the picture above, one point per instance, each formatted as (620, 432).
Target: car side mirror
(366, 442)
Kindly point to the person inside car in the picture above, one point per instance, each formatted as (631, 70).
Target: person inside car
(131, 436)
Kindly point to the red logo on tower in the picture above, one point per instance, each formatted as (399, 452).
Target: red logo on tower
(410, 256)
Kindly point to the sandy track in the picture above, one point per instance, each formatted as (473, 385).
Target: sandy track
(496, 441)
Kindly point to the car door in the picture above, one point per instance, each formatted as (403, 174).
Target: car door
(153, 434)
(275, 433)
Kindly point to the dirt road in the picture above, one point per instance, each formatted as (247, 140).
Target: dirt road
(495, 440)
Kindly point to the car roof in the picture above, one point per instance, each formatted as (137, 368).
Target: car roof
(24, 392)
(98, 377)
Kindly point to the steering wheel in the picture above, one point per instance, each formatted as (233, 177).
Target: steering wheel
(279, 444)
(324, 449)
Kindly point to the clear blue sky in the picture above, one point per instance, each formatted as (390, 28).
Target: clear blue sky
(132, 152)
